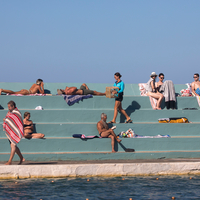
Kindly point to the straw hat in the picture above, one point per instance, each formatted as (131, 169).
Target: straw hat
(153, 74)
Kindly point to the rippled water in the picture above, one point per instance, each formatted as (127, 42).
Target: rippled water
(166, 187)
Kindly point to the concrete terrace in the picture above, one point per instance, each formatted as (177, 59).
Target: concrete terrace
(59, 122)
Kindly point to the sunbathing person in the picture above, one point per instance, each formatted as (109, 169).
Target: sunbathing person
(84, 90)
(106, 132)
(196, 85)
(28, 128)
(152, 90)
(35, 88)
(167, 89)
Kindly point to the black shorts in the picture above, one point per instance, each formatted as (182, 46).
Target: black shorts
(120, 97)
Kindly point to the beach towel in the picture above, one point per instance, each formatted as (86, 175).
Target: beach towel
(130, 134)
(72, 99)
(142, 89)
(168, 91)
(30, 94)
(82, 136)
(13, 126)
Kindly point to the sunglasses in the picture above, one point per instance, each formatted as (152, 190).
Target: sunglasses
(161, 77)
(195, 77)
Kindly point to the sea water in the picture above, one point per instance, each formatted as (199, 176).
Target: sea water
(144, 187)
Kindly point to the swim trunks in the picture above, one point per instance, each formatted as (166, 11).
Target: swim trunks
(198, 91)
(85, 91)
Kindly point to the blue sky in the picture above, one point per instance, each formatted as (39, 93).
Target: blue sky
(89, 40)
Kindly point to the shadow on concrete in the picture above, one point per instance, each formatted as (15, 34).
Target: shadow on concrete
(1, 108)
(129, 110)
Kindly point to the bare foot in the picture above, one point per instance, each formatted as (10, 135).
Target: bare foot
(113, 151)
(118, 140)
(8, 163)
(158, 108)
(155, 108)
(22, 160)
(0, 91)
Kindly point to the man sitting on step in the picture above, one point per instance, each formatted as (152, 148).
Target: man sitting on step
(106, 132)
(84, 90)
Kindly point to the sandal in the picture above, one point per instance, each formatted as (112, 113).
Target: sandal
(111, 122)
(128, 121)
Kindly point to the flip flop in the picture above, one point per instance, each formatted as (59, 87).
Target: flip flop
(129, 121)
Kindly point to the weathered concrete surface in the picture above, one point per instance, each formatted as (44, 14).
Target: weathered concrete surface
(106, 169)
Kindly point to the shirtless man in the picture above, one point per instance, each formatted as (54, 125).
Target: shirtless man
(106, 132)
(84, 90)
(37, 87)
(196, 85)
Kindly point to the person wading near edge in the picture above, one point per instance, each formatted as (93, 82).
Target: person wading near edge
(106, 132)
(13, 127)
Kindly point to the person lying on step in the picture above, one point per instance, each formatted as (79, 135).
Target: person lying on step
(37, 87)
(84, 90)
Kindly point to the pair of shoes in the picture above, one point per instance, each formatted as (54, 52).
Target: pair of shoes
(128, 121)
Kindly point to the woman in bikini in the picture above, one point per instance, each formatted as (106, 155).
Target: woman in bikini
(28, 128)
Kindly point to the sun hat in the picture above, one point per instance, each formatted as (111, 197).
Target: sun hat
(153, 74)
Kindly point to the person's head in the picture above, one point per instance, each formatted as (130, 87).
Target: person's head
(104, 117)
(153, 75)
(27, 115)
(39, 81)
(117, 76)
(196, 77)
(161, 76)
(11, 106)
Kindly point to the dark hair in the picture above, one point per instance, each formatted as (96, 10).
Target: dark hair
(12, 103)
(26, 114)
(39, 81)
(197, 74)
(161, 74)
(118, 74)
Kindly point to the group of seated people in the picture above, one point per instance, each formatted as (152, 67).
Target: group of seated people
(160, 89)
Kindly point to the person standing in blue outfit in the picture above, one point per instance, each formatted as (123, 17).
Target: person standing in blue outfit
(118, 100)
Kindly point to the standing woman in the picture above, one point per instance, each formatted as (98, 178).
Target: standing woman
(118, 105)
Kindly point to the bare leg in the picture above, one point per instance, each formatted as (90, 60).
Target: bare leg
(99, 93)
(157, 96)
(22, 159)
(23, 91)
(123, 111)
(85, 86)
(112, 143)
(110, 134)
(12, 153)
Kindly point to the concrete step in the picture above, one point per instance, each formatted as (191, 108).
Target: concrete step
(97, 102)
(93, 115)
(103, 144)
(152, 129)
